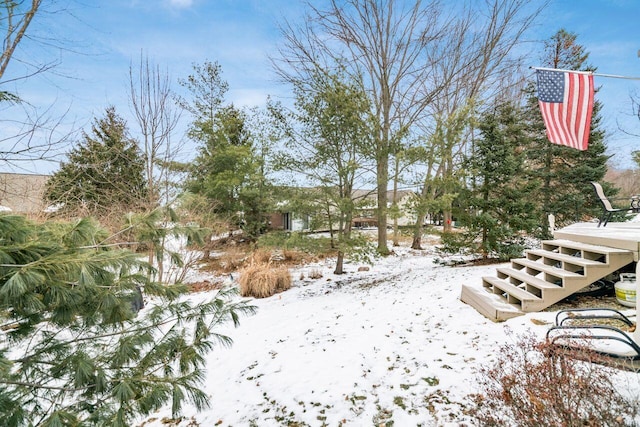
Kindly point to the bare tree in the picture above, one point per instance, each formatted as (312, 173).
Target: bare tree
(386, 44)
(400, 50)
(153, 105)
(480, 65)
(16, 17)
(29, 133)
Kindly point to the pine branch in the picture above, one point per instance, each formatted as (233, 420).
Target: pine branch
(40, 386)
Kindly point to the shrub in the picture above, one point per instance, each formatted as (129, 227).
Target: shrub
(74, 351)
(455, 243)
(533, 385)
(295, 241)
(315, 273)
(261, 280)
(297, 257)
(468, 244)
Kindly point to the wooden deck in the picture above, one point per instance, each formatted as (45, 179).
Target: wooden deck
(620, 235)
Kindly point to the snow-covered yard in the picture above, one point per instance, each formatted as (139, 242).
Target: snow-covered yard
(394, 343)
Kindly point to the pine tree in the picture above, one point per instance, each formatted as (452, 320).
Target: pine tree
(221, 169)
(227, 170)
(564, 174)
(496, 213)
(103, 174)
(74, 348)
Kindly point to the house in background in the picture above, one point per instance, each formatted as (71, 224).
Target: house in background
(365, 216)
(289, 221)
(22, 193)
(403, 200)
(368, 204)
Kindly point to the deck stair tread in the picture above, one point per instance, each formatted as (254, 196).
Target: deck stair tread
(544, 268)
(511, 289)
(583, 246)
(492, 306)
(566, 258)
(527, 278)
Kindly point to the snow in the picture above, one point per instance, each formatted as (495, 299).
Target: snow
(394, 343)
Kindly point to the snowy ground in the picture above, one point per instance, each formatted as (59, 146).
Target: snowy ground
(394, 343)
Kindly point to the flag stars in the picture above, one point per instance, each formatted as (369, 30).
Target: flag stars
(550, 86)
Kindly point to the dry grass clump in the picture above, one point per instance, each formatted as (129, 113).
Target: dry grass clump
(281, 256)
(261, 256)
(261, 280)
(315, 273)
(294, 256)
(231, 260)
(205, 286)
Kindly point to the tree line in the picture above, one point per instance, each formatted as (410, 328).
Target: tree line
(481, 161)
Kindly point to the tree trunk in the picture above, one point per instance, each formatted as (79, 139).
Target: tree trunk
(417, 229)
(447, 221)
(417, 232)
(339, 263)
(383, 178)
(345, 234)
(394, 196)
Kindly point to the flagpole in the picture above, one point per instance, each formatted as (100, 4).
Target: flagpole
(613, 76)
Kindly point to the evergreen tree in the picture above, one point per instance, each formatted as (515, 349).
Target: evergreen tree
(496, 209)
(103, 174)
(564, 174)
(227, 169)
(74, 350)
(225, 165)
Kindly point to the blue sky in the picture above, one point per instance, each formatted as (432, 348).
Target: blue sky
(609, 31)
(104, 37)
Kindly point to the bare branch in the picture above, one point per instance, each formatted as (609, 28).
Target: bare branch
(152, 103)
(17, 22)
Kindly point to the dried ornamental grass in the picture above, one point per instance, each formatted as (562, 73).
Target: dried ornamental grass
(261, 280)
(232, 259)
(315, 273)
(261, 256)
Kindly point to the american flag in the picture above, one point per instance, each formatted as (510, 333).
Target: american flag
(566, 103)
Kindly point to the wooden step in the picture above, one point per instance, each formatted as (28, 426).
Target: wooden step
(511, 289)
(533, 281)
(544, 268)
(564, 258)
(568, 245)
(493, 307)
(614, 258)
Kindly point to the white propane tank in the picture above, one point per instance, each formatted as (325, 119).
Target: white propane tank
(626, 289)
